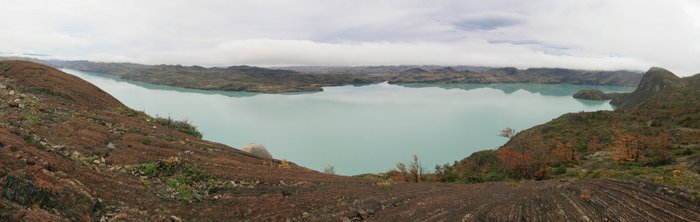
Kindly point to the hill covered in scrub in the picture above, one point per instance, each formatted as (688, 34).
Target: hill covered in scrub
(653, 135)
(71, 152)
(301, 79)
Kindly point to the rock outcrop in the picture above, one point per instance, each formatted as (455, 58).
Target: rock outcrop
(656, 80)
(257, 150)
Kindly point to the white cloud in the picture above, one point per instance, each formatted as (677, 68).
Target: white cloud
(594, 34)
(270, 52)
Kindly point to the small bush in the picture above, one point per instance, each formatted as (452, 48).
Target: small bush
(126, 111)
(656, 157)
(494, 176)
(150, 169)
(184, 180)
(686, 152)
(284, 164)
(474, 179)
(184, 194)
(585, 195)
(172, 182)
(179, 125)
(31, 118)
(559, 170)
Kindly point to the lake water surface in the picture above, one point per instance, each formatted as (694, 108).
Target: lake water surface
(359, 129)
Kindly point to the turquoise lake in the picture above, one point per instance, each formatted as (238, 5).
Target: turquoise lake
(360, 129)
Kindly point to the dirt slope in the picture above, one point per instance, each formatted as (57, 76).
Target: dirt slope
(69, 151)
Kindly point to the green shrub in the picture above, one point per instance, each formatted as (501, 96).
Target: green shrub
(172, 182)
(185, 180)
(658, 157)
(180, 125)
(494, 176)
(126, 111)
(31, 118)
(150, 169)
(184, 194)
(561, 169)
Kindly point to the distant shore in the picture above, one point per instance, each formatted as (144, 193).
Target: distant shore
(311, 79)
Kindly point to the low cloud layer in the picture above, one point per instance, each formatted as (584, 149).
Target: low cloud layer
(598, 34)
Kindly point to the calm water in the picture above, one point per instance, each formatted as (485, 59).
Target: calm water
(359, 129)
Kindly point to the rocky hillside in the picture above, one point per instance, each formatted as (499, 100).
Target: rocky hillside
(655, 81)
(255, 79)
(653, 136)
(71, 152)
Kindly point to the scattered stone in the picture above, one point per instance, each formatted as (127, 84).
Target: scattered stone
(111, 145)
(174, 218)
(363, 214)
(75, 155)
(14, 118)
(257, 150)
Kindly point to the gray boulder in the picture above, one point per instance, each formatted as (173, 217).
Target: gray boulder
(257, 150)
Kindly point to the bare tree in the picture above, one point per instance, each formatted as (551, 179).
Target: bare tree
(329, 170)
(401, 167)
(507, 133)
(416, 169)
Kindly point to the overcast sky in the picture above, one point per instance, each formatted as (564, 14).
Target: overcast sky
(591, 34)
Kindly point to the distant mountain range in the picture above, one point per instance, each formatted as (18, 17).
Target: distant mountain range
(313, 78)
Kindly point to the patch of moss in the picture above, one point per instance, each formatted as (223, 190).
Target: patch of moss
(172, 182)
(174, 175)
(150, 169)
(31, 118)
(184, 194)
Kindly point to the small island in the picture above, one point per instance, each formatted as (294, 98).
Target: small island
(597, 95)
(592, 94)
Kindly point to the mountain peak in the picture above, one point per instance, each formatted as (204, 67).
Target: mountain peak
(655, 80)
